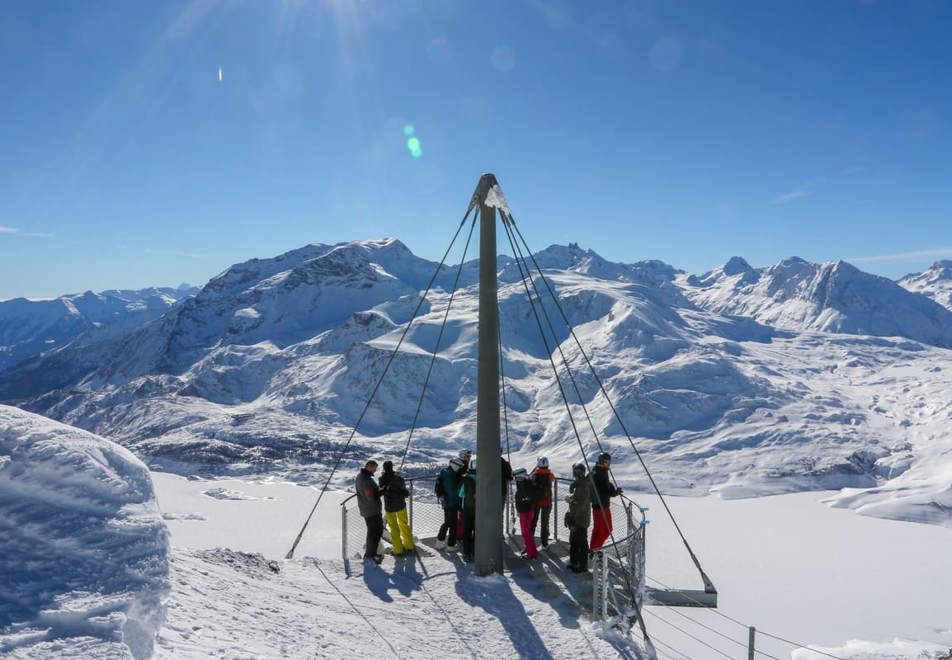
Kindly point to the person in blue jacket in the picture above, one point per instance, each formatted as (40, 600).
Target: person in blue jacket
(447, 490)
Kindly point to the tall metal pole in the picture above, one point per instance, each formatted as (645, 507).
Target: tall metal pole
(488, 450)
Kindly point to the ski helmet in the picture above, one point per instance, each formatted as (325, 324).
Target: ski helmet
(578, 469)
(543, 462)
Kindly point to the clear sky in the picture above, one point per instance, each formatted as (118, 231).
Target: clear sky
(151, 143)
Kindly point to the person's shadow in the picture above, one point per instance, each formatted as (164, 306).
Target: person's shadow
(494, 595)
(405, 579)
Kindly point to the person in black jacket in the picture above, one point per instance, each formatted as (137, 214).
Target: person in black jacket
(602, 492)
(368, 503)
(526, 495)
(395, 493)
(467, 498)
(506, 480)
(578, 518)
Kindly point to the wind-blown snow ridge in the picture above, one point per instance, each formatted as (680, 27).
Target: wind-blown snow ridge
(83, 550)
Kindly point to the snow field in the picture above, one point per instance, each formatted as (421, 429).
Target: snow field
(786, 564)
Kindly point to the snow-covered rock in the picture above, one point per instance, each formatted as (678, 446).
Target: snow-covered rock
(935, 282)
(830, 297)
(83, 550)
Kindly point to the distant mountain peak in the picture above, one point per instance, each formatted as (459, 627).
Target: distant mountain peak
(736, 266)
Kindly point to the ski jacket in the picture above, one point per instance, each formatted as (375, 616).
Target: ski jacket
(526, 495)
(543, 478)
(467, 492)
(506, 478)
(368, 494)
(580, 503)
(450, 481)
(602, 488)
(395, 492)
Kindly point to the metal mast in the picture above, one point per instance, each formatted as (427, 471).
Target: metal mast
(489, 532)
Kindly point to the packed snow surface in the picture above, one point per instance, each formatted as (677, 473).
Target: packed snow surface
(789, 565)
(83, 549)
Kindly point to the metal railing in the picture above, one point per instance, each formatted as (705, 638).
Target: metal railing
(423, 512)
(618, 568)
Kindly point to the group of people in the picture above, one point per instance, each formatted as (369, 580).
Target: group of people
(589, 501)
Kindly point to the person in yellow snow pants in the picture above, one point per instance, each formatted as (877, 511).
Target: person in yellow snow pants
(401, 536)
(395, 493)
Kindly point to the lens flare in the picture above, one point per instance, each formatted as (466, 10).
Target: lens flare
(416, 150)
(408, 130)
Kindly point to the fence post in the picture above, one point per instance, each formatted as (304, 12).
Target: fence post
(343, 531)
(750, 643)
(599, 586)
(555, 510)
(411, 504)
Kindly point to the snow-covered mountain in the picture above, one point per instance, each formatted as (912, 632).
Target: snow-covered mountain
(29, 327)
(830, 297)
(84, 552)
(935, 282)
(271, 363)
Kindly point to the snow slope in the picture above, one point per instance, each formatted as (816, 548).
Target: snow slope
(30, 327)
(83, 550)
(935, 282)
(830, 297)
(270, 365)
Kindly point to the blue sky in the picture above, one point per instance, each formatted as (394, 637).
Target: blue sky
(687, 132)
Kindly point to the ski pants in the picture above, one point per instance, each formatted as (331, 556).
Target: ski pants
(449, 525)
(374, 534)
(528, 538)
(469, 532)
(602, 527)
(401, 536)
(578, 547)
(542, 513)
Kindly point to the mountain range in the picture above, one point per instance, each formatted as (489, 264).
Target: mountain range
(741, 381)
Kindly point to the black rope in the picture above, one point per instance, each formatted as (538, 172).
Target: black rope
(439, 339)
(565, 362)
(685, 632)
(708, 585)
(565, 400)
(353, 432)
(744, 625)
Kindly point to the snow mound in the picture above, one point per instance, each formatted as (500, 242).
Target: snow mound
(83, 549)
(862, 650)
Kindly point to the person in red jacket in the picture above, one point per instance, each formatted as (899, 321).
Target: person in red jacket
(602, 492)
(543, 480)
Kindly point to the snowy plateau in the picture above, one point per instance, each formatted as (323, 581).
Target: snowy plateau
(795, 380)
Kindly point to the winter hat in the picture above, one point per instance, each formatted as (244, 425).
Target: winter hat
(388, 466)
(578, 469)
(543, 462)
(464, 454)
(457, 464)
(604, 456)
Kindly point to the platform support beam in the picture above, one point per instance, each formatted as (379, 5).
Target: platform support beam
(489, 524)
